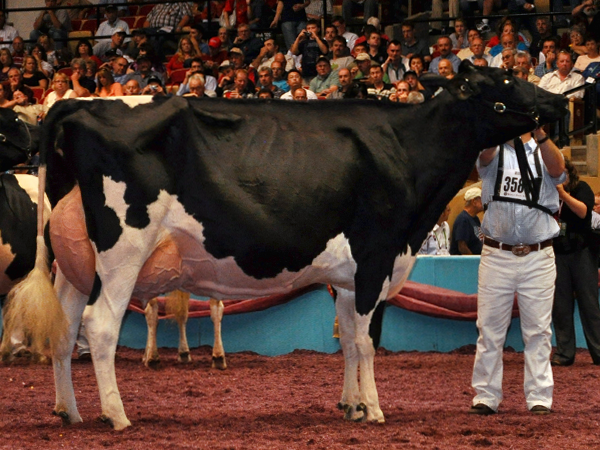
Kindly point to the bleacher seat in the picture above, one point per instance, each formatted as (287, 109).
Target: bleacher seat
(66, 70)
(133, 10)
(144, 10)
(129, 20)
(177, 76)
(76, 24)
(139, 22)
(38, 93)
(89, 25)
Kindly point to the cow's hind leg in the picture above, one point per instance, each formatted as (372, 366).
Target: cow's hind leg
(216, 314)
(178, 304)
(103, 321)
(350, 402)
(151, 356)
(73, 303)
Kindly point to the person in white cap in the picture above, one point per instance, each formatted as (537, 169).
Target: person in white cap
(517, 257)
(115, 46)
(466, 230)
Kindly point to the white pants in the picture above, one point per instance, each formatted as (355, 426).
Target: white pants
(532, 277)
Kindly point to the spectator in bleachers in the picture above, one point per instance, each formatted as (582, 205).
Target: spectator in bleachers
(223, 34)
(226, 76)
(547, 57)
(326, 81)
(509, 60)
(350, 37)
(376, 48)
(76, 13)
(592, 54)
(445, 69)
(563, 78)
(132, 87)
(480, 62)
(83, 85)
(460, 38)
(15, 81)
(507, 26)
(56, 23)
(183, 57)
(265, 94)
(268, 53)
(91, 69)
(144, 72)
(477, 48)
(107, 87)
(294, 80)
(85, 51)
(18, 51)
(39, 53)
(310, 45)
(402, 89)
(6, 97)
(115, 46)
(360, 48)
(508, 41)
(576, 43)
(417, 65)
(138, 38)
(163, 21)
(543, 32)
(363, 63)
(585, 16)
(411, 45)
(111, 23)
(523, 60)
(196, 87)
(339, 51)
(148, 51)
(7, 63)
(437, 9)
(395, 64)
(196, 68)
(279, 76)
(48, 44)
(32, 75)
(216, 56)
(236, 58)
(465, 53)
(520, 72)
(7, 33)
(249, 44)
(370, 9)
(466, 237)
(26, 111)
(265, 78)
(122, 10)
(377, 89)
(330, 33)
(154, 86)
(118, 66)
(242, 88)
(345, 78)
(241, 11)
(61, 91)
(260, 15)
(195, 36)
(315, 9)
(300, 94)
(292, 15)
(444, 45)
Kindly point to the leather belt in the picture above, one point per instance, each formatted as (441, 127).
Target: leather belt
(519, 249)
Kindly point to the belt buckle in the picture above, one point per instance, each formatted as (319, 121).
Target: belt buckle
(521, 250)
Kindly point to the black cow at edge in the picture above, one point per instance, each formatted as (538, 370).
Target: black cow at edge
(244, 199)
(18, 200)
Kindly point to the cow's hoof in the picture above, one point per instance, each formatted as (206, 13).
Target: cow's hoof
(184, 357)
(153, 363)
(355, 413)
(64, 417)
(218, 362)
(117, 425)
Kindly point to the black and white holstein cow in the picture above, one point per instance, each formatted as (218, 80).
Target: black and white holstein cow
(242, 199)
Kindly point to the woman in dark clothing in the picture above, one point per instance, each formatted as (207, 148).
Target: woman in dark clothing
(32, 76)
(576, 271)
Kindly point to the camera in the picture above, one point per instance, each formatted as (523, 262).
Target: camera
(153, 87)
(307, 34)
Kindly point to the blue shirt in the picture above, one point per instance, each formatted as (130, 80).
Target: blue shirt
(455, 60)
(513, 223)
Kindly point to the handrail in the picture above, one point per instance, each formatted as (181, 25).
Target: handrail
(590, 104)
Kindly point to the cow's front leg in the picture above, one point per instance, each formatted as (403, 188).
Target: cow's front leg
(218, 353)
(151, 356)
(350, 402)
(183, 299)
(73, 303)
(103, 321)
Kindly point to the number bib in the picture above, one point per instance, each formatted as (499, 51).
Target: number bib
(512, 185)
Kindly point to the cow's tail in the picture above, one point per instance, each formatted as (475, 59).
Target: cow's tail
(32, 305)
(177, 304)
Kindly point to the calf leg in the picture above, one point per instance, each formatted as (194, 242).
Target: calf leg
(181, 317)
(151, 357)
(216, 315)
(345, 310)
(73, 303)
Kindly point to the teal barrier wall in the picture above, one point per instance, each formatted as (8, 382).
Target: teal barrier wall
(307, 321)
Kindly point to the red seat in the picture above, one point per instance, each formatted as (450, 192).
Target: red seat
(177, 76)
(129, 20)
(46, 94)
(38, 93)
(139, 22)
(133, 10)
(76, 24)
(66, 70)
(144, 10)
(89, 25)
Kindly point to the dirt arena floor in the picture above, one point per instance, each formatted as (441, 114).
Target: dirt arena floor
(289, 402)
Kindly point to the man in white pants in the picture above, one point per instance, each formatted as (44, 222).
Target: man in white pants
(517, 257)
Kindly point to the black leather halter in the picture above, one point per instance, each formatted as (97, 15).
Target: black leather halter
(26, 149)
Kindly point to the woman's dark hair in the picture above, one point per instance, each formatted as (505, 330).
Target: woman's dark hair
(357, 90)
(42, 51)
(87, 44)
(573, 180)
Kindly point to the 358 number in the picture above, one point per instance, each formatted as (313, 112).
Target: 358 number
(513, 184)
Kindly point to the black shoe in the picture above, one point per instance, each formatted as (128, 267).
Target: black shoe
(481, 410)
(540, 410)
(558, 361)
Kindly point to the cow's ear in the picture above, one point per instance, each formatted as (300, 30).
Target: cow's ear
(466, 66)
(433, 82)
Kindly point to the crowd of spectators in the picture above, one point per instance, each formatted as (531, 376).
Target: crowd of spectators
(172, 55)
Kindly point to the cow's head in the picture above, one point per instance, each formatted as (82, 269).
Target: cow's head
(16, 140)
(505, 102)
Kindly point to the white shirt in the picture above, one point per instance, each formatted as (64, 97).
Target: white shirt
(437, 241)
(106, 29)
(7, 34)
(583, 61)
(350, 39)
(310, 95)
(552, 83)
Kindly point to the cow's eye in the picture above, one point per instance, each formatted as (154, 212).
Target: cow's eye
(463, 87)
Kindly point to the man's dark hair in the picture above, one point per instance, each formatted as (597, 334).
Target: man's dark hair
(339, 19)
(314, 22)
(395, 42)
(589, 37)
(409, 24)
(266, 91)
(340, 39)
